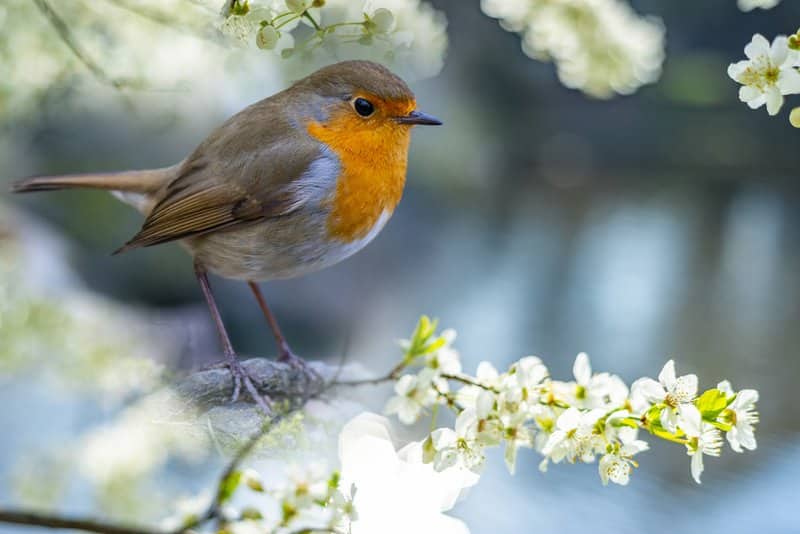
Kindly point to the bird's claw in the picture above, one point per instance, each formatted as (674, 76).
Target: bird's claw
(296, 362)
(241, 377)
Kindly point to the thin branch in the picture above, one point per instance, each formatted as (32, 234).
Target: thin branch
(63, 31)
(214, 510)
(389, 377)
(162, 19)
(36, 519)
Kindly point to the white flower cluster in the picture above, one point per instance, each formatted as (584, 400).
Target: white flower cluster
(594, 415)
(309, 500)
(407, 34)
(749, 5)
(769, 72)
(601, 47)
(378, 488)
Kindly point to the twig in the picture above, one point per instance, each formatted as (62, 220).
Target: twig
(159, 17)
(214, 509)
(62, 28)
(392, 375)
(36, 519)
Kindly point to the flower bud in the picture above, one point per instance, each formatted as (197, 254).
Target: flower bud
(382, 20)
(298, 6)
(267, 37)
(794, 117)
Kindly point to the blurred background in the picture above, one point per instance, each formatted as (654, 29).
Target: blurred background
(536, 221)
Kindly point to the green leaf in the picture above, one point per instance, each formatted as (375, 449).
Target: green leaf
(333, 482)
(252, 514)
(428, 451)
(228, 486)
(711, 403)
(420, 342)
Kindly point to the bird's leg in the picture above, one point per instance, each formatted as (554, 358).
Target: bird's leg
(285, 353)
(238, 373)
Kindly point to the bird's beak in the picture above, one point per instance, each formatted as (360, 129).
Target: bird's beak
(418, 117)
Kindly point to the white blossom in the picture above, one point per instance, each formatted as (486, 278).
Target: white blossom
(742, 416)
(460, 445)
(703, 438)
(574, 437)
(601, 47)
(516, 433)
(590, 390)
(749, 5)
(445, 359)
(767, 74)
(673, 392)
(413, 394)
(391, 483)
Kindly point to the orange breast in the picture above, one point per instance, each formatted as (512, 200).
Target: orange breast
(373, 157)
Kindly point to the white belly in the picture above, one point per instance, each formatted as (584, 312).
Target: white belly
(285, 247)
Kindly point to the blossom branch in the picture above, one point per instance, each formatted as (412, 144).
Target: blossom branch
(596, 415)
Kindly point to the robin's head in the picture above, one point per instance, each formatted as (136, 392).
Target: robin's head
(363, 97)
(363, 113)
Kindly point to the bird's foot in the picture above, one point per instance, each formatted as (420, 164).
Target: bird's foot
(296, 362)
(241, 377)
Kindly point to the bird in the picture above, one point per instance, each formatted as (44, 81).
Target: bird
(292, 184)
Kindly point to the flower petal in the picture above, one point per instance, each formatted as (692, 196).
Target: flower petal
(789, 81)
(774, 100)
(697, 466)
(748, 93)
(667, 374)
(759, 46)
(746, 399)
(735, 70)
(582, 369)
(779, 51)
(651, 390)
(691, 421)
(757, 102)
(443, 438)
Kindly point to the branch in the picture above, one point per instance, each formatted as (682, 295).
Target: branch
(63, 31)
(35, 519)
(278, 381)
(214, 511)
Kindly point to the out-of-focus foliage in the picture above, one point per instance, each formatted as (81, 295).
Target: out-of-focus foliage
(81, 339)
(601, 47)
(148, 46)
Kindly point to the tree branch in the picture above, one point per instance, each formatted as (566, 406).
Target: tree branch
(213, 512)
(64, 32)
(36, 519)
(278, 381)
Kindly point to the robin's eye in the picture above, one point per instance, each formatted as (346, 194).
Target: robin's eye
(363, 107)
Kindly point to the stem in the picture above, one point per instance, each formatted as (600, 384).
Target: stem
(307, 15)
(392, 375)
(285, 22)
(468, 381)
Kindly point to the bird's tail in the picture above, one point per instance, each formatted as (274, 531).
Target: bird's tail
(142, 182)
(137, 188)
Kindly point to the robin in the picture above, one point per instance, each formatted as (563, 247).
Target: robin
(291, 184)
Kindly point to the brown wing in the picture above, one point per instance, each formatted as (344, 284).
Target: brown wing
(239, 175)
